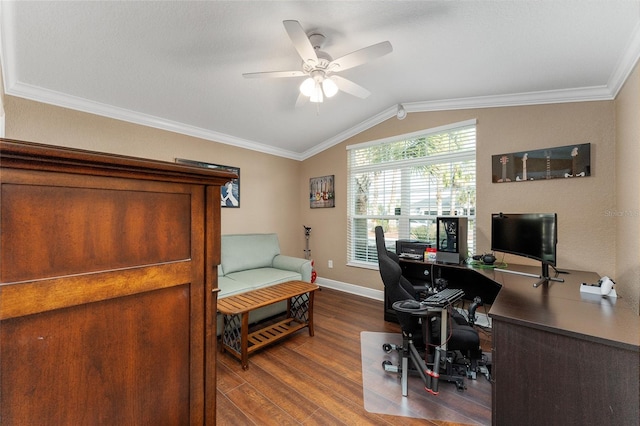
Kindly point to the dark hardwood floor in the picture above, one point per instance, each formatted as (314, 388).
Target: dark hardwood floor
(309, 380)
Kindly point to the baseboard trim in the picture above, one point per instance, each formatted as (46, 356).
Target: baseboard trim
(351, 288)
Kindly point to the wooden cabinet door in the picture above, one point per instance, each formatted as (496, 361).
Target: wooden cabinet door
(102, 300)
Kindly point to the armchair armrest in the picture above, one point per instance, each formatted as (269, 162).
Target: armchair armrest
(296, 264)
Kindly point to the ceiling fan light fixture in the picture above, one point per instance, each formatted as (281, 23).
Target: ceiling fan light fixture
(329, 87)
(316, 95)
(307, 87)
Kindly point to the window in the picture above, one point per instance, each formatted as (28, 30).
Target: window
(404, 183)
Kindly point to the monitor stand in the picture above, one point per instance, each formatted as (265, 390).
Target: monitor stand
(544, 278)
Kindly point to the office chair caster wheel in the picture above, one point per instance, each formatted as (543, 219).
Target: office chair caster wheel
(387, 347)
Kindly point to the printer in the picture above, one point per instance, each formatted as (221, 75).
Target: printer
(411, 249)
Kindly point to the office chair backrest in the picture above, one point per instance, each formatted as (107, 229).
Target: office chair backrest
(391, 275)
(380, 245)
(393, 281)
(383, 252)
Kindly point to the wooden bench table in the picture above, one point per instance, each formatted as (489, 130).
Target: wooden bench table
(235, 312)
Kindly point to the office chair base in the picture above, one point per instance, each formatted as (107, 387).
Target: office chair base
(411, 362)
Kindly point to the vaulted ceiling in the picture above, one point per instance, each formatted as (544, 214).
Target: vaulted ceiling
(178, 65)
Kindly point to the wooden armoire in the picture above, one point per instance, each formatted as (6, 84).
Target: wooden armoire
(108, 288)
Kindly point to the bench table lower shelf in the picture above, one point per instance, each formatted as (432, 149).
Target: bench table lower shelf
(235, 312)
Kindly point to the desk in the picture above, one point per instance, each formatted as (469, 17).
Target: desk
(559, 357)
(471, 281)
(563, 358)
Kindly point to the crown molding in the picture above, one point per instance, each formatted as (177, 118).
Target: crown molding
(341, 137)
(80, 104)
(598, 93)
(532, 98)
(627, 63)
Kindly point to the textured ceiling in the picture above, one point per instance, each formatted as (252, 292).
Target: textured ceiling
(178, 65)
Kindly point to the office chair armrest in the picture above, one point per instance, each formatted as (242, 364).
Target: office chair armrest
(422, 291)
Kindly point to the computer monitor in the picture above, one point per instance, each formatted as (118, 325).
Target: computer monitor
(532, 235)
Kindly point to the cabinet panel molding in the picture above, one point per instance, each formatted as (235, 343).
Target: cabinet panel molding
(108, 287)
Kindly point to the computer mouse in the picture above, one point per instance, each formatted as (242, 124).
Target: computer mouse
(410, 304)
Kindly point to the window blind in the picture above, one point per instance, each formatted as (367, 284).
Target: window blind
(404, 183)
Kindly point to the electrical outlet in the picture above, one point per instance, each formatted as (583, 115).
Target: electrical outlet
(330, 264)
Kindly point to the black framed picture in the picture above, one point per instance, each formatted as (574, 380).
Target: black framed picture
(230, 191)
(321, 193)
(570, 161)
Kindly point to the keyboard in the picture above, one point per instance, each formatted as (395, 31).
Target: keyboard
(443, 297)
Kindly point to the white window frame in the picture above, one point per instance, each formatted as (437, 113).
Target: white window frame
(354, 255)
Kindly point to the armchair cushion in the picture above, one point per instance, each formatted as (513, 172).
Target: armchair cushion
(248, 251)
(252, 261)
(252, 279)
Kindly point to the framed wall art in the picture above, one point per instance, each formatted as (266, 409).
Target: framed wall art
(564, 162)
(230, 191)
(321, 192)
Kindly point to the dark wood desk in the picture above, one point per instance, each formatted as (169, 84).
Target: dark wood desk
(559, 356)
(562, 357)
(471, 281)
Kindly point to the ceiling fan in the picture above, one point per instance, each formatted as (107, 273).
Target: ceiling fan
(320, 68)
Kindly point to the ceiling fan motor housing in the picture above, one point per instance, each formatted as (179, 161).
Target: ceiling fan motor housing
(317, 40)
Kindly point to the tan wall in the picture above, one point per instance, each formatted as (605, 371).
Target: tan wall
(628, 189)
(274, 191)
(268, 198)
(586, 238)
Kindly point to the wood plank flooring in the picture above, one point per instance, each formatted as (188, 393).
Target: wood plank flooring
(306, 380)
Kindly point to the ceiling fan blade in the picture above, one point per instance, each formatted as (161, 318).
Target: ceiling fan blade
(301, 42)
(274, 74)
(350, 87)
(361, 56)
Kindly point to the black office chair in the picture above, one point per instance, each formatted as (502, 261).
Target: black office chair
(419, 328)
(405, 290)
